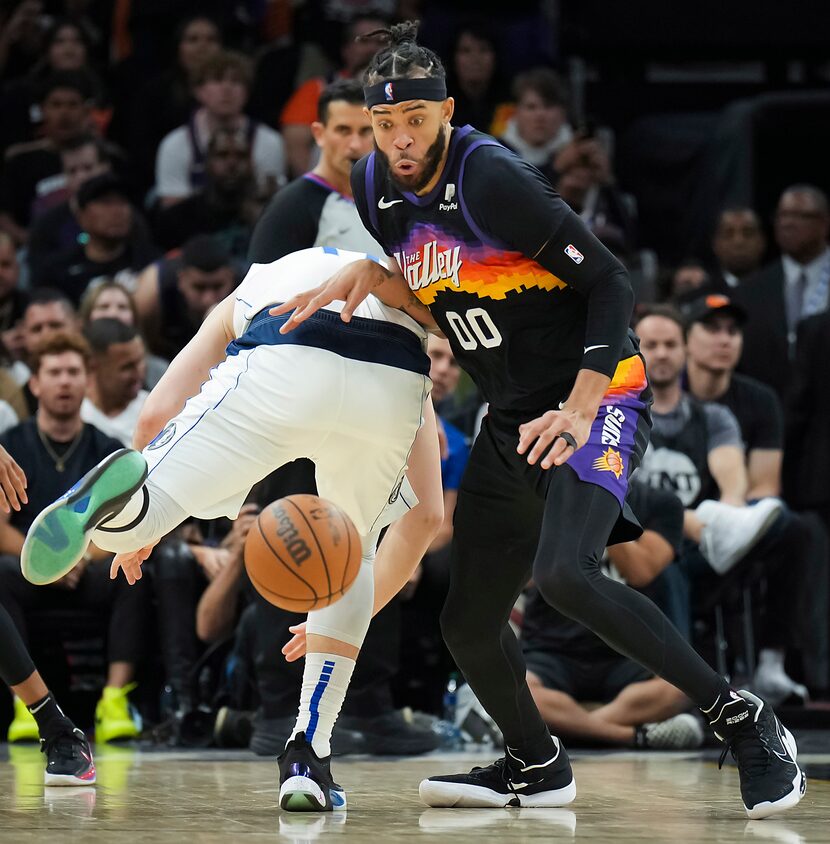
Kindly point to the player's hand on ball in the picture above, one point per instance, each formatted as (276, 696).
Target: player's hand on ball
(554, 437)
(351, 285)
(294, 648)
(130, 563)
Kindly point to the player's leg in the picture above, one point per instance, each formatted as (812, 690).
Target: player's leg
(495, 532)
(244, 422)
(374, 444)
(68, 757)
(579, 517)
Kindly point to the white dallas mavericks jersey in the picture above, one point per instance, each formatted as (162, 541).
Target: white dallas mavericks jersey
(270, 284)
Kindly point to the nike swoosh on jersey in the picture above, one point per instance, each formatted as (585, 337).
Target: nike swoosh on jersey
(383, 204)
(591, 348)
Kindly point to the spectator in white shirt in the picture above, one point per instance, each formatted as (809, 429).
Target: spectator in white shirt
(222, 86)
(115, 395)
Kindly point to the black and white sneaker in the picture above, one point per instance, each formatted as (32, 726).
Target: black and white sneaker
(507, 782)
(306, 784)
(68, 759)
(765, 753)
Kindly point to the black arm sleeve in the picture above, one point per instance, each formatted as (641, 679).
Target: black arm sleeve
(516, 205)
(288, 223)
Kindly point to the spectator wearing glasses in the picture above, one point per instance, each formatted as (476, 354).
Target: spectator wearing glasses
(789, 289)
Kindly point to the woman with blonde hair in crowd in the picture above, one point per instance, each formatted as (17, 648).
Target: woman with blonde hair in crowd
(111, 300)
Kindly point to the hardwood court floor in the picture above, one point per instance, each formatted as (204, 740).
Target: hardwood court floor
(212, 796)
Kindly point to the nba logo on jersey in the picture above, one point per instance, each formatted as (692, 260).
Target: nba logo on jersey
(574, 254)
(387, 90)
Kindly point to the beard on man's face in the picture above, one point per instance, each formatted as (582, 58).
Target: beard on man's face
(431, 162)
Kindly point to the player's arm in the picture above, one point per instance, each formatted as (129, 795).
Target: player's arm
(352, 284)
(186, 374)
(516, 206)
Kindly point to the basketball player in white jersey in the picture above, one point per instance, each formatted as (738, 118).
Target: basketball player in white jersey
(350, 396)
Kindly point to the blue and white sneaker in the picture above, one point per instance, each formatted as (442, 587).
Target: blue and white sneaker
(59, 536)
(306, 784)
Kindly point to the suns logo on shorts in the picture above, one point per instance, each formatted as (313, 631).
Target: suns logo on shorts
(610, 461)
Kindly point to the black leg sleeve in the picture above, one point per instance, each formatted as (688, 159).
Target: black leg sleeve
(15, 663)
(578, 520)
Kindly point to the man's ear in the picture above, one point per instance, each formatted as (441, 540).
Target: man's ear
(447, 110)
(317, 129)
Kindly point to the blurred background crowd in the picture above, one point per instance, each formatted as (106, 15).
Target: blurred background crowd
(151, 151)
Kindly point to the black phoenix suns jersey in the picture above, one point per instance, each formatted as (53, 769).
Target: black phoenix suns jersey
(467, 251)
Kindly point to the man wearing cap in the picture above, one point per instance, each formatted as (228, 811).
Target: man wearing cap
(714, 341)
(105, 247)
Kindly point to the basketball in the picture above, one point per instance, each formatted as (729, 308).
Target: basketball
(302, 553)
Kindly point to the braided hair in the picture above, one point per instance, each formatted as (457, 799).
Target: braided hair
(403, 57)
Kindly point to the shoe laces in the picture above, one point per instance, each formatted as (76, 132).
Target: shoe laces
(750, 751)
(65, 742)
(501, 769)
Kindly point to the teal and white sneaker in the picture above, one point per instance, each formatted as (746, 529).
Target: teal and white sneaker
(59, 535)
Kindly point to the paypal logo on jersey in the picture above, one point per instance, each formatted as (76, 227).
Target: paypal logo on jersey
(430, 265)
(448, 204)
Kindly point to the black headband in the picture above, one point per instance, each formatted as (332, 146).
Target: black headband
(400, 90)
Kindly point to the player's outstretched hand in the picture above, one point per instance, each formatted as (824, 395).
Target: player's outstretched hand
(554, 437)
(351, 285)
(294, 648)
(130, 563)
(12, 483)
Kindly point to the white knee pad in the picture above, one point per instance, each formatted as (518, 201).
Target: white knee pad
(348, 619)
(138, 525)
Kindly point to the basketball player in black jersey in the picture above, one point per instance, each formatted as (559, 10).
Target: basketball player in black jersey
(537, 311)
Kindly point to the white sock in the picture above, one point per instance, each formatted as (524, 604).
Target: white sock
(326, 679)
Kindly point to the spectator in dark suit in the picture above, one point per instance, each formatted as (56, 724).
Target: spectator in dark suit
(739, 245)
(807, 449)
(789, 289)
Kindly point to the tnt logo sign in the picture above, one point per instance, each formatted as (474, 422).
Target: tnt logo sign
(389, 92)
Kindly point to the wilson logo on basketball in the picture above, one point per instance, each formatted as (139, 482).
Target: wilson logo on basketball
(288, 533)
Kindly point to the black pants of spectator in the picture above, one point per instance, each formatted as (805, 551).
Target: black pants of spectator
(784, 558)
(425, 660)
(178, 582)
(813, 618)
(126, 607)
(370, 692)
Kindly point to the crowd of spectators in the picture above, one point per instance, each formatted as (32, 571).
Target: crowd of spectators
(145, 166)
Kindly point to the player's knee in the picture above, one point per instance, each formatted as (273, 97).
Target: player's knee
(562, 583)
(456, 629)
